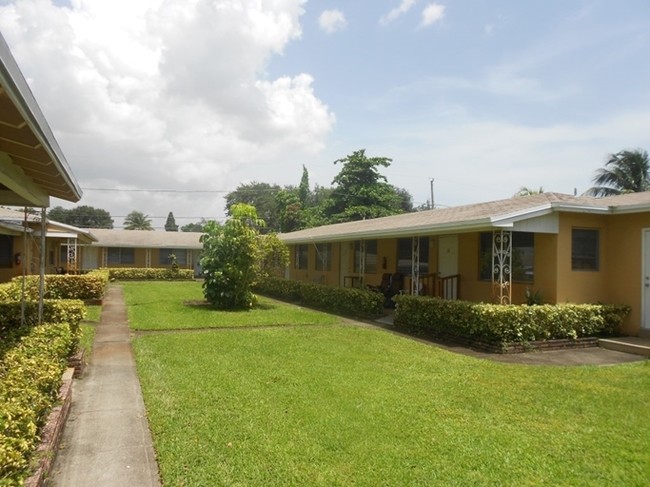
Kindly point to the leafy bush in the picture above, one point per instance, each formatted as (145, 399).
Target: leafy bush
(149, 274)
(6, 292)
(91, 286)
(70, 311)
(345, 301)
(30, 378)
(504, 324)
(285, 289)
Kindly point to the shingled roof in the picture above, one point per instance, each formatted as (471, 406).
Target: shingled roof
(479, 216)
(146, 239)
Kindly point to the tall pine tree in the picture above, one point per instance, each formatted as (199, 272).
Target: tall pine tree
(170, 224)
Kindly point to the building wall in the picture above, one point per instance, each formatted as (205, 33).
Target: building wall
(624, 250)
(473, 288)
(581, 286)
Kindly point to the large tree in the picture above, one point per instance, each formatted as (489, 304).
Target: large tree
(137, 220)
(290, 211)
(262, 196)
(194, 227)
(624, 172)
(81, 216)
(236, 256)
(362, 192)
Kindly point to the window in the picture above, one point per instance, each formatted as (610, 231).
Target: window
(324, 257)
(370, 263)
(523, 256)
(584, 249)
(164, 256)
(121, 256)
(6, 251)
(301, 256)
(404, 255)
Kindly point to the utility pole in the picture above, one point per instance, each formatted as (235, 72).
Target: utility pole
(433, 205)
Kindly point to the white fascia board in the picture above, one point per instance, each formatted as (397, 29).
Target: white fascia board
(640, 208)
(510, 218)
(72, 228)
(9, 228)
(48, 234)
(598, 210)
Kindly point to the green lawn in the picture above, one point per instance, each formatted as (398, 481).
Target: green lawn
(331, 405)
(179, 305)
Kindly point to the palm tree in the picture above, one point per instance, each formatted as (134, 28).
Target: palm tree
(624, 172)
(137, 220)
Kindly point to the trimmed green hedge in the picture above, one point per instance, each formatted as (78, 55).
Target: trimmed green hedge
(70, 311)
(345, 301)
(87, 287)
(30, 378)
(506, 324)
(149, 274)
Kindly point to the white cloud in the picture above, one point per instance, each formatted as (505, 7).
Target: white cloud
(432, 13)
(168, 94)
(474, 160)
(401, 9)
(331, 21)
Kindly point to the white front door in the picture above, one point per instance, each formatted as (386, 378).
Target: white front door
(645, 320)
(448, 255)
(448, 266)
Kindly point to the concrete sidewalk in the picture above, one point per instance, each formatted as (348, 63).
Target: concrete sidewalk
(106, 441)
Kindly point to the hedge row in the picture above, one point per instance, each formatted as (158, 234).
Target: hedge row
(506, 324)
(70, 311)
(30, 378)
(149, 274)
(345, 301)
(91, 286)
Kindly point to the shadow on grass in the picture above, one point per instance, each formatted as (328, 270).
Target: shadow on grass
(204, 305)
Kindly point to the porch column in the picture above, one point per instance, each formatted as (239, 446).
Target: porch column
(147, 258)
(415, 266)
(105, 257)
(502, 265)
(362, 262)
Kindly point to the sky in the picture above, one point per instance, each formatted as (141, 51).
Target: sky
(167, 105)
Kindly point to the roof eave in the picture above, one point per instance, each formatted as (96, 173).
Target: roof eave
(19, 92)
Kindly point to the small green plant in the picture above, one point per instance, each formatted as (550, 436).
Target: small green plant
(533, 299)
(174, 263)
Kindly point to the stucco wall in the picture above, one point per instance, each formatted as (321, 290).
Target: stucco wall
(624, 257)
(581, 286)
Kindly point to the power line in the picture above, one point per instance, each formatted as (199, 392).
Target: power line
(238, 190)
(160, 190)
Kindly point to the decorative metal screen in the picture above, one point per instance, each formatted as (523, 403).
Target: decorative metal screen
(415, 265)
(502, 265)
(72, 254)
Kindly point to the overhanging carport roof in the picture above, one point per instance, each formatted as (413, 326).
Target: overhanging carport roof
(32, 166)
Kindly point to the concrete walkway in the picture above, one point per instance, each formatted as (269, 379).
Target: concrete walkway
(106, 441)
